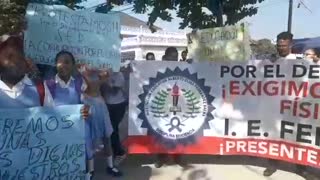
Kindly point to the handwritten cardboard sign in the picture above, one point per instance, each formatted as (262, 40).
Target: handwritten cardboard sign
(229, 43)
(93, 38)
(42, 143)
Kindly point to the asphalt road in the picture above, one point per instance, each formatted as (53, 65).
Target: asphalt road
(140, 167)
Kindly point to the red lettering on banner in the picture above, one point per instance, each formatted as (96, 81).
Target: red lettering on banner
(292, 152)
(248, 88)
(234, 88)
(274, 88)
(293, 89)
(314, 90)
(302, 109)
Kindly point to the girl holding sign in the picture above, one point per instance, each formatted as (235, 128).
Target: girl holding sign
(66, 89)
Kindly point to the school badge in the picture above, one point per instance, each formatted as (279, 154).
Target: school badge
(176, 107)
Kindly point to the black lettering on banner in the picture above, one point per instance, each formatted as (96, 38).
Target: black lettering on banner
(253, 125)
(59, 36)
(43, 154)
(67, 123)
(18, 174)
(35, 125)
(39, 171)
(237, 71)
(25, 140)
(3, 141)
(76, 166)
(251, 70)
(314, 72)
(5, 161)
(54, 169)
(52, 123)
(13, 140)
(8, 123)
(226, 127)
(271, 71)
(42, 141)
(223, 70)
(301, 133)
(284, 129)
(34, 155)
(299, 71)
(268, 71)
(317, 136)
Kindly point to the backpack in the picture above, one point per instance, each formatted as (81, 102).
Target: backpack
(41, 91)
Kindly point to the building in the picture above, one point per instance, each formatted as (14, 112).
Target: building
(138, 39)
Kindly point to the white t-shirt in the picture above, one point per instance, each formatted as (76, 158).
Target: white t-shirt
(114, 92)
(291, 56)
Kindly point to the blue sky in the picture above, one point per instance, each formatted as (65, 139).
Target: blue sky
(271, 19)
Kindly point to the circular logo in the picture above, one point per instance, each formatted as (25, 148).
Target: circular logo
(176, 106)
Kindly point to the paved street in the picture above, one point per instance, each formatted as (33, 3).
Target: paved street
(140, 167)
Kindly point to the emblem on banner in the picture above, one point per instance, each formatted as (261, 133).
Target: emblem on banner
(176, 107)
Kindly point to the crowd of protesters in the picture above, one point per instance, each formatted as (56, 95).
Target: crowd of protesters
(104, 94)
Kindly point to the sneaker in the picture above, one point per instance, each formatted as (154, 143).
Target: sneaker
(114, 172)
(269, 171)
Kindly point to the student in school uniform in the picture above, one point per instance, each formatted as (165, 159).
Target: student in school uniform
(67, 89)
(99, 119)
(17, 90)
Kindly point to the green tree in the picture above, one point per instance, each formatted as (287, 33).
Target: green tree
(191, 11)
(12, 12)
(263, 48)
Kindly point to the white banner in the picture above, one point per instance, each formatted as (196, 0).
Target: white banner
(258, 108)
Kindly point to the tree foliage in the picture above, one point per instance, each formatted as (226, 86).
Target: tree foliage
(263, 47)
(11, 15)
(193, 14)
(12, 12)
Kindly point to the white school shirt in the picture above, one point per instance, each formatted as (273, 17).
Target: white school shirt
(291, 56)
(63, 84)
(17, 90)
(116, 80)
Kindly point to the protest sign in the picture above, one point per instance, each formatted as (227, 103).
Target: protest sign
(92, 38)
(255, 108)
(230, 43)
(42, 143)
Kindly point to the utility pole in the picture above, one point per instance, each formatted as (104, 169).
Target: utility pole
(290, 16)
(220, 14)
(216, 8)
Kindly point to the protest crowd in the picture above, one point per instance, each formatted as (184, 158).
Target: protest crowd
(103, 94)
